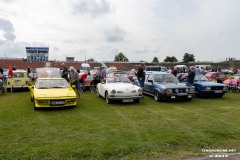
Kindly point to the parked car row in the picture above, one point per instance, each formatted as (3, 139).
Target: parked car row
(50, 90)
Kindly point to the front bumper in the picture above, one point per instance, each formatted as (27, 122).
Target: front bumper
(25, 86)
(213, 93)
(177, 96)
(113, 97)
(67, 102)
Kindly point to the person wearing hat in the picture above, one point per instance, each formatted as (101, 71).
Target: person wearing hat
(64, 71)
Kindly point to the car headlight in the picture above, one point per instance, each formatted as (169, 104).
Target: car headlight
(134, 91)
(225, 87)
(176, 90)
(140, 90)
(207, 88)
(169, 90)
(113, 91)
(187, 90)
(192, 90)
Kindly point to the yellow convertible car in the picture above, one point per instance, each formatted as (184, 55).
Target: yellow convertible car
(52, 91)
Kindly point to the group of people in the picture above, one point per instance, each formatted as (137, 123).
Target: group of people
(72, 76)
(190, 77)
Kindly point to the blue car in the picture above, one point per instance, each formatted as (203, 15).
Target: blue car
(165, 86)
(205, 88)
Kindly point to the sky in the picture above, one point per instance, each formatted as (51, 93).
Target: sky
(140, 29)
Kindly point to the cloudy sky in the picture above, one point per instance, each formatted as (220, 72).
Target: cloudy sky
(140, 29)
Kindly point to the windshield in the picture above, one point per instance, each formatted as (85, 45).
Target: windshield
(167, 78)
(48, 73)
(18, 75)
(121, 79)
(51, 83)
(200, 77)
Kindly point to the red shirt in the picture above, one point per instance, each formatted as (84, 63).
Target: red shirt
(83, 76)
(174, 72)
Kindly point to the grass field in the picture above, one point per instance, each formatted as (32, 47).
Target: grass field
(95, 130)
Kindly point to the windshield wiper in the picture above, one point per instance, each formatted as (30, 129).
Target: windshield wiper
(43, 88)
(57, 87)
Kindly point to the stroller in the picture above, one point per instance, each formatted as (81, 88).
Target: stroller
(2, 86)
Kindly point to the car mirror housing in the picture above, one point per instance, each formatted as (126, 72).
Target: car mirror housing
(151, 81)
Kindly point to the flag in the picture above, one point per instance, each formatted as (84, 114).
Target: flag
(10, 72)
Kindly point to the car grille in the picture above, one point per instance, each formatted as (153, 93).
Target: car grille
(180, 90)
(217, 88)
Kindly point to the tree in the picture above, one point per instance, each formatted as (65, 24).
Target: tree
(155, 60)
(188, 58)
(90, 60)
(120, 58)
(170, 59)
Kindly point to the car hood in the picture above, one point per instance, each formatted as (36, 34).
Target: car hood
(122, 86)
(58, 92)
(173, 85)
(209, 84)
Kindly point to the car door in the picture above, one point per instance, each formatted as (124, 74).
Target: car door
(148, 86)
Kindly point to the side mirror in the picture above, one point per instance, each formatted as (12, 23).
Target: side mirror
(151, 81)
(103, 82)
(73, 86)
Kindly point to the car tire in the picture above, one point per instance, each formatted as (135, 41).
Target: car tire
(98, 95)
(198, 93)
(34, 106)
(157, 96)
(136, 100)
(108, 101)
(31, 99)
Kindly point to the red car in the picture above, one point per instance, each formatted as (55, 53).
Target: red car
(218, 77)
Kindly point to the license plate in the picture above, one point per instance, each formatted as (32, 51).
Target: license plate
(182, 94)
(127, 100)
(57, 103)
(17, 83)
(218, 91)
(173, 97)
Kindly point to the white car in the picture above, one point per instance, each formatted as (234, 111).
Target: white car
(119, 88)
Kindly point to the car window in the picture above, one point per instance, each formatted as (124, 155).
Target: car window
(200, 77)
(169, 78)
(158, 78)
(222, 75)
(208, 74)
(150, 78)
(18, 75)
(51, 83)
(117, 79)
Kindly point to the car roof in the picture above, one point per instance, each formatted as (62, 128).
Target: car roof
(156, 72)
(19, 70)
(50, 78)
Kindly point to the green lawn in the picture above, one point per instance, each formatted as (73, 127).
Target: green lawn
(95, 130)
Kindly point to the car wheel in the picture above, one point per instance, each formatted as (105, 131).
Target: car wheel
(34, 105)
(198, 93)
(136, 100)
(157, 96)
(98, 95)
(108, 101)
(31, 99)
(8, 89)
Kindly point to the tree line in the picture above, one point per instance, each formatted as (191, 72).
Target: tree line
(120, 57)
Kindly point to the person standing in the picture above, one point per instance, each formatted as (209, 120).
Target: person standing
(191, 76)
(64, 72)
(141, 75)
(74, 80)
(175, 71)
